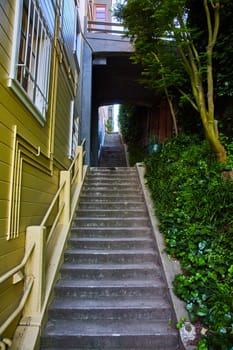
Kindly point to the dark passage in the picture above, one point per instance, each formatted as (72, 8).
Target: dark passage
(113, 152)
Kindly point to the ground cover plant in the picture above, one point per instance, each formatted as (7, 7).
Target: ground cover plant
(194, 205)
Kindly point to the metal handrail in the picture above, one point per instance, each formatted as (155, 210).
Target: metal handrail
(77, 155)
(43, 222)
(32, 246)
(19, 308)
(74, 176)
(73, 162)
(27, 291)
(83, 142)
(15, 269)
(55, 222)
(52, 204)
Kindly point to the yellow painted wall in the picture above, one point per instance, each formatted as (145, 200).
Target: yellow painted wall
(61, 148)
(27, 162)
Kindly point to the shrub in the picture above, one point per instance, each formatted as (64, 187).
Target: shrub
(194, 205)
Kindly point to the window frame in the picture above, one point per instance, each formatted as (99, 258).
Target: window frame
(42, 61)
(77, 47)
(99, 7)
(74, 130)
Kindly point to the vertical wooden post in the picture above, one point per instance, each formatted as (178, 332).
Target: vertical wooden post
(65, 196)
(35, 268)
(80, 163)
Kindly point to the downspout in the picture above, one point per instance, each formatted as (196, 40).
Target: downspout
(53, 86)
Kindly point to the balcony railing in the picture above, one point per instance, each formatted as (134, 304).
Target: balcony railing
(105, 27)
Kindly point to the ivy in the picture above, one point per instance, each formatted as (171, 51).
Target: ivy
(194, 205)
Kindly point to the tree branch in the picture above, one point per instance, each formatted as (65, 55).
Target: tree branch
(209, 24)
(167, 96)
(189, 99)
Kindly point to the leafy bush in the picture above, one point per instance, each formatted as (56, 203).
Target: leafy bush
(136, 153)
(194, 205)
(132, 132)
(109, 126)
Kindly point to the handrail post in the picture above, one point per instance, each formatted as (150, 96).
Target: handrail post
(64, 199)
(79, 149)
(35, 268)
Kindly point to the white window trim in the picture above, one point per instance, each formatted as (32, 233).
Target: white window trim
(13, 82)
(70, 155)
(74, 131)
(77, 45)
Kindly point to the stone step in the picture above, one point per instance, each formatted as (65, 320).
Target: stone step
(110, 271)
(109, 244)
(109, 181)
(122, 193)
(91, 289)
(109, 334)
(116, 169)
(110, 212)
(107, 170)
(112, 175)
(111, 308)
(117, 178)
(110, 302)
(113, 147)
(113, 232)
(111, 222)
(106, 198)
(115, 162)
(111, 348)
(80, 256)
(126, 205)
(114, 155)
(111, 187)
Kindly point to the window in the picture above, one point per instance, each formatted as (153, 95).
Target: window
(69, 33)
(31, 58)
(77, 48)
(74, 130)
(100, 15)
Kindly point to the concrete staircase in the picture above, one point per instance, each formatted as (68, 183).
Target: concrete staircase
(113, 152)
(112, 293)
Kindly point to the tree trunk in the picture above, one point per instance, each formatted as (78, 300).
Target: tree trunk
(204, 97)
(172, 112)
(208, 120)
(214, 143)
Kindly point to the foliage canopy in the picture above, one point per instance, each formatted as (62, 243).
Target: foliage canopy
(167, 44)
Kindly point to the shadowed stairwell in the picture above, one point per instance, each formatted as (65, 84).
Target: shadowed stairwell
(112, 293)
(113, 152)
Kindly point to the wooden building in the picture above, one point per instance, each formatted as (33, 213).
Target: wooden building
(40, 74)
